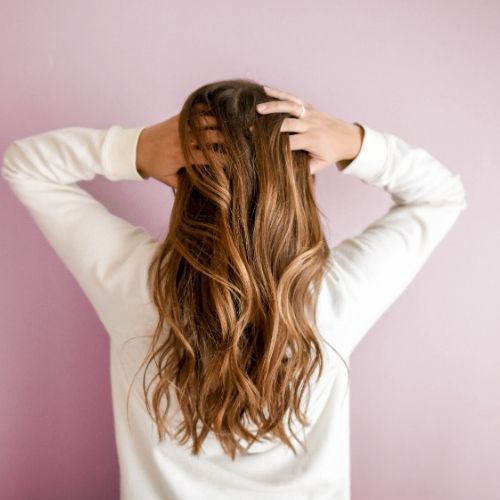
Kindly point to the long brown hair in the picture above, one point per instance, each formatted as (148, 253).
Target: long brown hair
(236, 279)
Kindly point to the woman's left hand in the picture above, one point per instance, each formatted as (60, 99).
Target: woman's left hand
(159, 154)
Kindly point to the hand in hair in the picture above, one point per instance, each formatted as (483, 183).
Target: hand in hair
(328, 140)
(159, 153)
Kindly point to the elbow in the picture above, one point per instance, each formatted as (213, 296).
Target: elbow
(452, 194)
(460, 194)
(11, 163)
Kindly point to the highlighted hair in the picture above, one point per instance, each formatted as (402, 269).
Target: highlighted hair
(236, 279)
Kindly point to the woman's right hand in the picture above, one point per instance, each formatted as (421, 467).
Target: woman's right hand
(328, 140)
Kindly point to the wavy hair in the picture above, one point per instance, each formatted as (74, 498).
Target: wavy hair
(235, 281)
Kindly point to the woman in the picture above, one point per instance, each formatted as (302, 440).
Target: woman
(243, 320)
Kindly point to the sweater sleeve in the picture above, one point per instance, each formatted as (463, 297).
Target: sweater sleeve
(105, 253)
(370, 270)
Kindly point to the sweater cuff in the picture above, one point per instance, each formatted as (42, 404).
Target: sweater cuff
(372, 157)
(120, 153)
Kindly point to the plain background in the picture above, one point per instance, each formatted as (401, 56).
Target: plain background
(425, 400)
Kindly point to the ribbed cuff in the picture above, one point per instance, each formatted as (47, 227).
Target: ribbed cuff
(120, 153)
(372, 157)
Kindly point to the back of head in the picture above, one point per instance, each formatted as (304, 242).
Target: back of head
(236, 279)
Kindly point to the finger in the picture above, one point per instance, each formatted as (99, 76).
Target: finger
(280, 107)
(293, 125)
(171, 180)
(208, 127)
(216, 136)
(209, 137)
(281, 94)
(203, 121)
(299, 141)
(213, 136)
(313, 165)
(217, 155)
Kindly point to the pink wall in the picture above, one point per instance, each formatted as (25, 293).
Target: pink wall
(425, 381)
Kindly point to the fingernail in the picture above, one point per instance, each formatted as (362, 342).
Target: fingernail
(261, 107)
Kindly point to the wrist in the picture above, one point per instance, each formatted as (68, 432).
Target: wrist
(354, 140)
(140, 163)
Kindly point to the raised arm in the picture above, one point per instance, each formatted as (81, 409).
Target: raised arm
(370, 270)
(105, 253)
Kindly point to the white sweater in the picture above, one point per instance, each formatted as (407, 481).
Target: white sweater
(108, 257)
